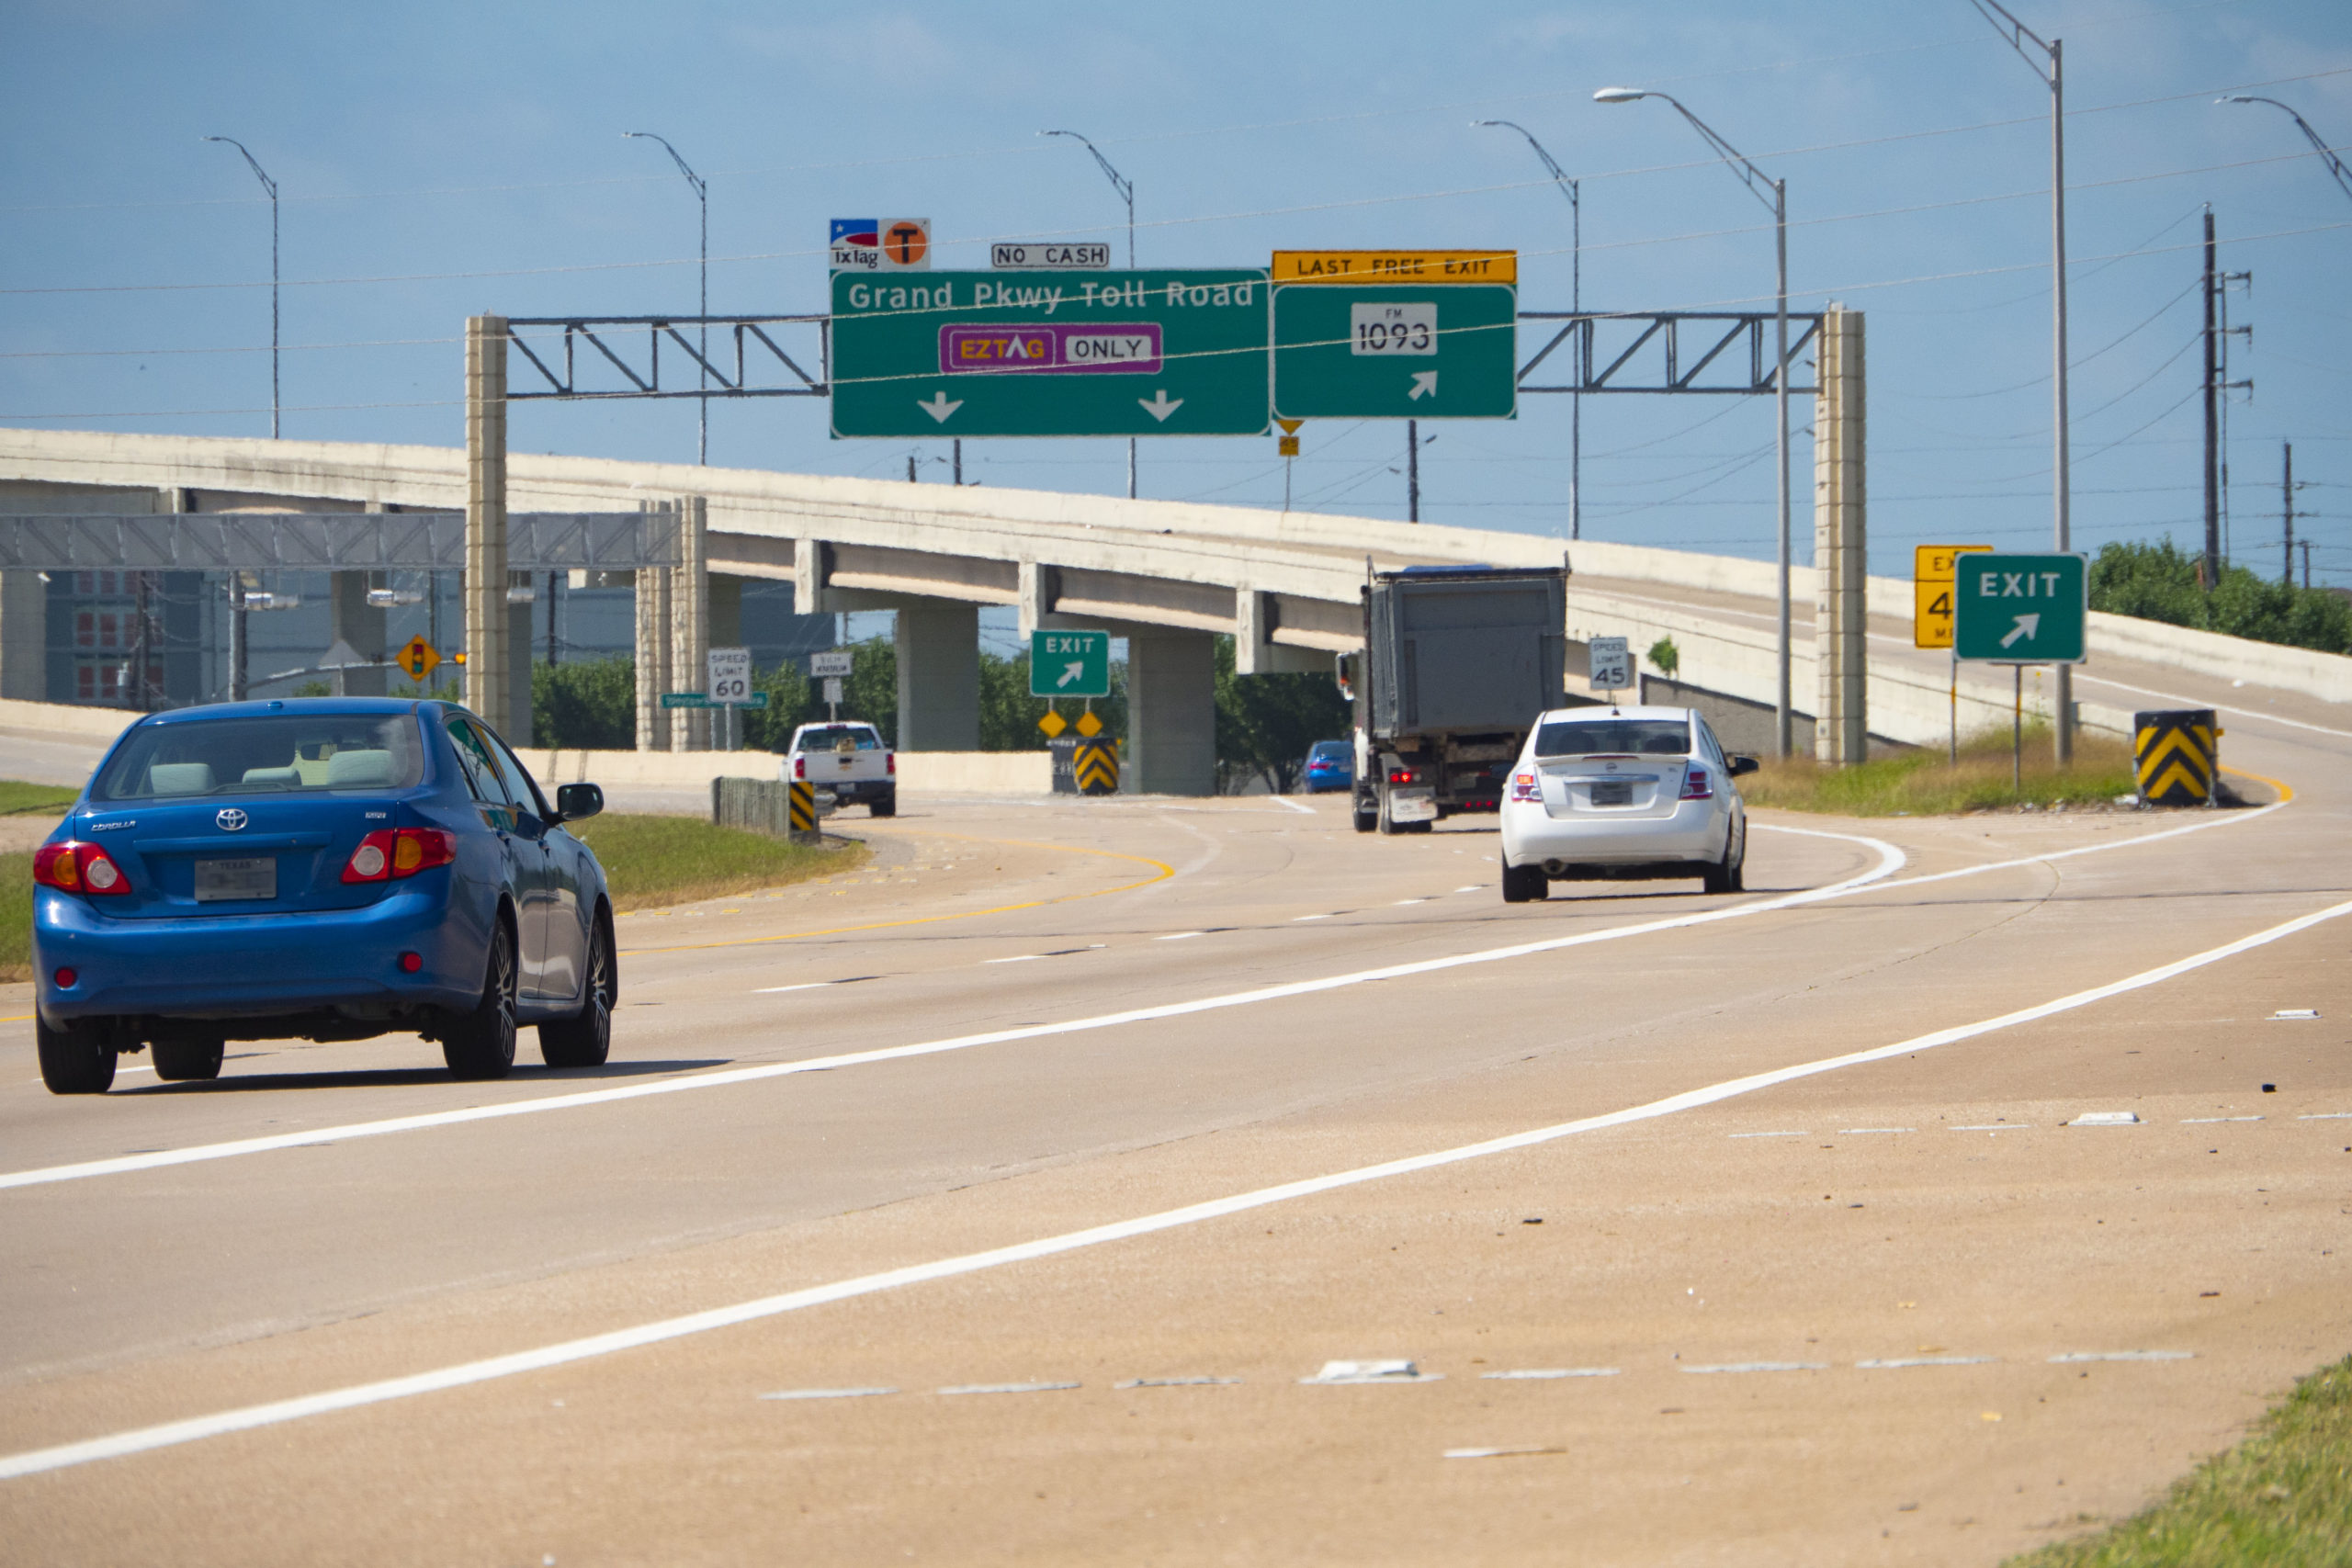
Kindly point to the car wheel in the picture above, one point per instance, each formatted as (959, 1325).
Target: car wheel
(1729, 874)
(585, 1038)
(188, 1059)
(1366, 818)
(1524, 884)
(482, 1043)
(74, 1060)
(885, 806)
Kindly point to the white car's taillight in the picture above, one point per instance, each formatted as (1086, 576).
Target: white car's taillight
(1524, 787)
(1695, 785)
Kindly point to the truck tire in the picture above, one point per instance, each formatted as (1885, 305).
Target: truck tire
(1365, 814)
(188, 1059)
(884, 804)
(74, 1060)
(1524, 884)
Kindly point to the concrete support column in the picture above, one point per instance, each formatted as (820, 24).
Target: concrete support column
(939, 675)
(653, 597)
(1840, 543)
(359, 626)
(489, 690)
(1255, 652)
(726, 610)
(809, 574)
(690, 622)
(1038, 590)
(1172, 713)
(24, 636)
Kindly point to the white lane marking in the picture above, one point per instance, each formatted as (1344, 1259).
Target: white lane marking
(1383, 1370)
(2226, 819)
(1523, 1451)
(119, 1071)
(1859, 1132)
(1009, 1388)
(1176, 1382)
(170, 1434)
(2104, 1119)
(1402, 902)
(2295, 1014)
(2195, 1121)
(1473, 887)
(805, 986)
(1180, 936)
(2217, 707)
(1302, 810)
(1025, 958)
(1799, 1132)
(1996, 1127)
(2327, 1116)
(1056, 953)
(1546, 1373)
(1890, 859)
(829, 1393)
(1759, 1367)
(1900, 1361)
(2074, 1356)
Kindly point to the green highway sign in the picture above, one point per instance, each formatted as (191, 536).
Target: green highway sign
(996, 353)
(699, 700)
(1412, 351)
(2020, 609)
(1069, 664)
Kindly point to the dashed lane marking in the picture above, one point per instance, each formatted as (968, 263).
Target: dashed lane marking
(1297, 918)
(1180, 936)
(829, 1393)
(1897, 1362)
(171, 1434)
(1861, 1132)
(1545, 1374)
(2198, 1121)
(1010, 1388)
(1292, 804)
(2071, 1357)
(1798, 1132)
(1759, 1367)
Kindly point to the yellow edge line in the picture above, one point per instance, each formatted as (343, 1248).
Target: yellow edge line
(1165, 870)
(2286, 791)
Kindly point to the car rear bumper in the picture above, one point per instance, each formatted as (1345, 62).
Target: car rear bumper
(229, 966)
(1693, 832)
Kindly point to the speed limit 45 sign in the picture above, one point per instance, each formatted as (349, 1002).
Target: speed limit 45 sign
(730, 675)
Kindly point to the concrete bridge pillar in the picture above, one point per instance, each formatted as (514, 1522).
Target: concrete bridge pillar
(1840, 543)
(651, 592)
(939, 675)
(1172, 713)
(690, 622)
(489, 671)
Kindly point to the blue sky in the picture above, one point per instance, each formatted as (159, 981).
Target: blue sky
(439, 160)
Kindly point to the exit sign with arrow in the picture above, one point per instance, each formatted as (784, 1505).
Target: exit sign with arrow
(1069, 664)
(2020, 609)
(1429, 350)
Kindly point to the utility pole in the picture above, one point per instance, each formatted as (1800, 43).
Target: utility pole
(958, 447)
(1412, 470)
(2287, 508)
(2212, 573)
(2307, 562)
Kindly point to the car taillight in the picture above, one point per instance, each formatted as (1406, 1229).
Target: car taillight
(1695, 785)
(1400, 775)
(799, 767)
(1524, 787)
(388, 854)
(72, 867)
(890, 763)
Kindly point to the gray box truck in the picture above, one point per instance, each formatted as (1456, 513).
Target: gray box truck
(1457, 663)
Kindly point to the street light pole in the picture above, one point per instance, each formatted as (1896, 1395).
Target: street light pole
(2050, 66)
(702, 372)
(1127, 189)
(271, 187)
(1571, 189)
(1757, 183)
(2327, 154)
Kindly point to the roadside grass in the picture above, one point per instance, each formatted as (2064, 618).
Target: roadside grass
(2281, 1499)
(31, 799)
(653, 862)
(16, 918)
(1922, 784)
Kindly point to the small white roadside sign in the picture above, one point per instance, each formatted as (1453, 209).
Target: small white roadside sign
(1611, 664)
(730, 674)
(838, 663)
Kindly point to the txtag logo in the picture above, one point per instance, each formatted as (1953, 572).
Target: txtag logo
(231, 820)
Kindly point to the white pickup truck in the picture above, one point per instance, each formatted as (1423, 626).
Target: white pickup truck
(848, 759)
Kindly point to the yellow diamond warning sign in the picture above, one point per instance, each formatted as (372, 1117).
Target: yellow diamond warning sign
(1053, 724)
(1087, 725)
(419, 658)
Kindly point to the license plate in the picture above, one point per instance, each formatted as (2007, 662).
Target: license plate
(1412, 808)
(1612, 792)
(218, 881)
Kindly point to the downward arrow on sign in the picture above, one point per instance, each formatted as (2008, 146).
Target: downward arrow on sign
(1160, 408)
(939, 408)
(1423, 381)
(2026, 627)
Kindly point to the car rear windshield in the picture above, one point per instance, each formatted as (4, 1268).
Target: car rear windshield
(275, 753)
(1621, 737)
(829, 738)
(1333, 749)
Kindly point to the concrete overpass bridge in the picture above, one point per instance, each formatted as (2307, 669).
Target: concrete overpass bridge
(1169, 576)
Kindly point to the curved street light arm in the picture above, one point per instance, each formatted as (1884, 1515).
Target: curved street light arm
(693, 179)
(1120, 183)
(1761, 184)
(2327, 154)
(267, 182)
(1559, 175)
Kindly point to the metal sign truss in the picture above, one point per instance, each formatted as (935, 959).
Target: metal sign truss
(1635, 351)
(330, 541)
(643, 378)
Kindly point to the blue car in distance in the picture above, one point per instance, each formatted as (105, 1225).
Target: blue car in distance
(1330, 764)
(323, 869)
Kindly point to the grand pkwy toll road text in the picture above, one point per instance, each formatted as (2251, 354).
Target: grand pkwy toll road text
(1131, 295)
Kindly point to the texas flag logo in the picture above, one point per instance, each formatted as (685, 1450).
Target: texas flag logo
(866, 232)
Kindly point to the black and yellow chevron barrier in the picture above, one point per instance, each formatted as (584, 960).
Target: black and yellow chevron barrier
(804, 812)
(1096, 764)
(2176, 754)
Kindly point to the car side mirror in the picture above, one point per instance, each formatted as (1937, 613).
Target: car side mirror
(1744, 765)
(575, 801)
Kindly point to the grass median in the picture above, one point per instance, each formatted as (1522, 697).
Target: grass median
(2281, 1499)
(1924, 784)
(650, 863)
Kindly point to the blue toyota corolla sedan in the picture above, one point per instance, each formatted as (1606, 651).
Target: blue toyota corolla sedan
(320, 869)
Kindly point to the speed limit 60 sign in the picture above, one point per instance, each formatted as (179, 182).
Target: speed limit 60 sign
(730, 675)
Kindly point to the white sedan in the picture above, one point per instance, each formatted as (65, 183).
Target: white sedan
(1627, 792)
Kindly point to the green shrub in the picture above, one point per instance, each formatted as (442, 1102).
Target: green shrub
(2159, 582)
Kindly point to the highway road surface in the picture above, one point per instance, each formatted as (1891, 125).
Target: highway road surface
(1025, 1198)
